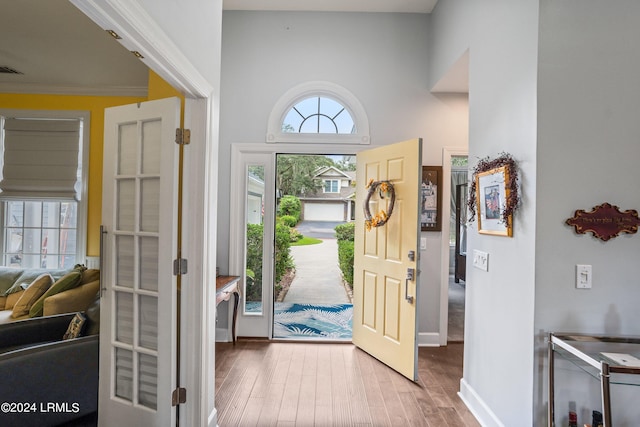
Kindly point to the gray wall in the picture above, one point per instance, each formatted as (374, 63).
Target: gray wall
(381, 58)
(502, 40)
(555, 84)
(588, 152)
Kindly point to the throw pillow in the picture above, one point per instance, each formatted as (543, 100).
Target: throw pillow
(34, 291)
(90, 275)
(8, 276)
(75, 327)
(66, 282)
(12, 300)
(29, 275)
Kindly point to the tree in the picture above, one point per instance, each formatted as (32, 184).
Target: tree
(257, 170)
(347, 163)
(295, 173)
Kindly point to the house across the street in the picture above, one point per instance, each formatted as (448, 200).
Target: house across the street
(335, 201)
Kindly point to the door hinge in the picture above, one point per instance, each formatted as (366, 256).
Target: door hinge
(179, 396)
(183, 136)
(180, 266)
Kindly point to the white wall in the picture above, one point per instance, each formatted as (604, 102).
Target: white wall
(502, 42)
(588, 152)
(380, 58)
(194, 26)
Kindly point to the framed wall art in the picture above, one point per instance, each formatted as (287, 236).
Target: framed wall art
(492, 193)
(431, 199)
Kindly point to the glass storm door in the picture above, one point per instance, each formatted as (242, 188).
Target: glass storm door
(138, 307)
(386, 258)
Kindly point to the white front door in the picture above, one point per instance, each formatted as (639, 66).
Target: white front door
(386, 257)
(138, 305)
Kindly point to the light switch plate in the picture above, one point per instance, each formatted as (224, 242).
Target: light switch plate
(584, 276)
(481, 260)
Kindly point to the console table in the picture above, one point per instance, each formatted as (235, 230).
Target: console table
(610, 360)
(225, 286)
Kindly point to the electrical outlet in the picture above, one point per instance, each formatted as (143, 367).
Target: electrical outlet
(481, 260)
(584, 276)
(423, 243)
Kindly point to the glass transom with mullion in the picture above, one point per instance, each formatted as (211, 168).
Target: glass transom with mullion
(318, 115)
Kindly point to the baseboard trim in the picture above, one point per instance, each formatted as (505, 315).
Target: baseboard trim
(223, 335)
(213, 418)
(428, 339)
(477, 406)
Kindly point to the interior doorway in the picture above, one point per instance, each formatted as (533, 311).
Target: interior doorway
(314, 232)
(457, 248)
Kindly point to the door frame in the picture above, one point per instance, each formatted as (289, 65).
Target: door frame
(238, 199)
(447, 154)
(199, 223)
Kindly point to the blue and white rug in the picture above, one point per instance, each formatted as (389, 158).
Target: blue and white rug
(299, 321)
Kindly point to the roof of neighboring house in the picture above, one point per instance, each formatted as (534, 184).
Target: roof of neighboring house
(331, 172)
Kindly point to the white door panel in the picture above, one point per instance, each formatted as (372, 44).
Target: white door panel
(138, 307)
(252, 202)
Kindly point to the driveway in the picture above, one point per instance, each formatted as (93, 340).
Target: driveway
(318, 229)
(318, 279)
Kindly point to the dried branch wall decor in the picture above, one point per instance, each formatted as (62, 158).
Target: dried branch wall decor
(383, 188)
(605, 221)
(512, 201)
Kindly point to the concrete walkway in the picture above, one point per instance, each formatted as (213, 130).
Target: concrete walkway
(318, 279)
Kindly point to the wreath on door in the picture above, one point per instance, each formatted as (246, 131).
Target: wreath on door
(384, 189)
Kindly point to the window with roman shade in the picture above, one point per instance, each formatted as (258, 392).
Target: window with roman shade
(40, 159)
(44, 156)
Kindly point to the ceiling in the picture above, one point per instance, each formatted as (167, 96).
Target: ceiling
(55, 48)
(401, 6)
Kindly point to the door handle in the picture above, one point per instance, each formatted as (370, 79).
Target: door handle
(103, 287)
(411, 274)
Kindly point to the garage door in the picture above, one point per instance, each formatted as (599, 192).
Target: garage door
(323, 211)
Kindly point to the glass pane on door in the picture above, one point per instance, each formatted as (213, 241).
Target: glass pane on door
(136, 255)
(254, 239)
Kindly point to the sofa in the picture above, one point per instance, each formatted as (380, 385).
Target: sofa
(52, 372)
(28, 293)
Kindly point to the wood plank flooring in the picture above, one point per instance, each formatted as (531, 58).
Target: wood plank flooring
(317, 384)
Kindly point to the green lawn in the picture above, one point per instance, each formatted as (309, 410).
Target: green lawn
(306, 241)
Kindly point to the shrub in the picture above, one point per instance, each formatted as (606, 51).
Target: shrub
(345, 259)
(290, 205)
(284, 261)
(346, 231)
(289, 220)
(283, 253)
(254, 261)
(295, 235)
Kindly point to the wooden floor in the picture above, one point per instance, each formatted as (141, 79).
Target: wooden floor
(306, 384)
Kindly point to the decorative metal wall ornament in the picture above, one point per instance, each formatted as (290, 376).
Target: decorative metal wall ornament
(512, 201)
(605, 221)
(382, 188)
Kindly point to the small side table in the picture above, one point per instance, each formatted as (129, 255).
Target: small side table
(225, 286)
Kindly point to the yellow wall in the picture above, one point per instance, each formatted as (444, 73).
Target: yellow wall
(157, 89)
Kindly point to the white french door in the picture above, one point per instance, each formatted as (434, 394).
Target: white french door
(138, 306)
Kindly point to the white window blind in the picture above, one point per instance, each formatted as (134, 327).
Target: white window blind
(40, 159)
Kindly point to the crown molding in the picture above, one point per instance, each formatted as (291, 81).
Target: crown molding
(35, 88)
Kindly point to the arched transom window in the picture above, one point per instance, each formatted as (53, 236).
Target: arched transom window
(320, 113)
